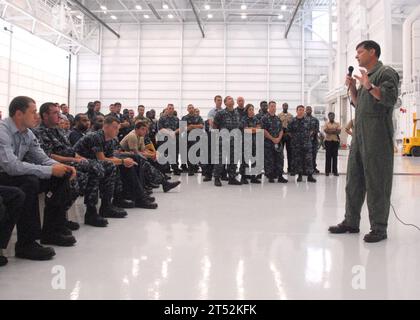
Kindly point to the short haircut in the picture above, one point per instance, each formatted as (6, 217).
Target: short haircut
(300, 106)
(141, 124)
(368, 45)
(216, 97)
(263, 102)
(111, 120)
(20, 103)
(45, 108)
(140, 106)
(331, 113)
(79, 116)
(226, 98)
(272, 102)
(285, 104)
(97, 101)
(61, 106)
(117, 104)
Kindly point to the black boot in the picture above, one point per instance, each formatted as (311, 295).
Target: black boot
(146, 204)
(170, 185)
(73, 226)
(282, 180)
(234, 182)
(299, 179)
(93, 219)
(311, 179)
(255, 180)
(244, 180)
(375, 236)
(217, 182)
(3, 261)
(33, 251)
(123, 203)
(107, 210)
(207, 178)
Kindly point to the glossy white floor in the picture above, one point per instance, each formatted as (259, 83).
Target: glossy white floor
(248, 242)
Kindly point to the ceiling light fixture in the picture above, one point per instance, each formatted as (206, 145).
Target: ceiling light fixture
(104, 8)
(283, 7)
(207, 7)
(113, 17)
(138, 7)
(165, 6)
(146, 16)
(170, 16)
(210, 16)
(243, 7)
(280, 17)
(243, 16)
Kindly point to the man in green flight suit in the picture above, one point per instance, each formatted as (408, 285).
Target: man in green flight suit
(371, 160)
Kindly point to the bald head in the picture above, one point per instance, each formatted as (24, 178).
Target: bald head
(240, 101)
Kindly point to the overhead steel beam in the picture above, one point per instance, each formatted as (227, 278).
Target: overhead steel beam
(151, 7)
(292, 19)
(93, 16)
(129, 11)
(222, 2)
(46, 25)
(175, 9)
(197, 18)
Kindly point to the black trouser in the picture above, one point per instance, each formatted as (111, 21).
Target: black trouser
(331, 154)
(287, 142)
(272, 161)
(207, 169)
(132, 183)
(225, 168)
(57, 199)
(314, 152)
(13, 201)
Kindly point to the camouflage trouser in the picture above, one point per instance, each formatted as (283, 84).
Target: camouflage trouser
(219, 169)
(207, 169)
(302, 158)
(94, 177)
(151, 174)
(314, 152)
(272, 161)
(248, 149)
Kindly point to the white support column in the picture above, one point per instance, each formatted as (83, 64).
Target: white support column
(138, 63)
(387, 45)
(268, 61)
(224, 57)
(181, 71)
(73, 84)
(303, 58)
(101, 40)
(330, 47)
(9, 70)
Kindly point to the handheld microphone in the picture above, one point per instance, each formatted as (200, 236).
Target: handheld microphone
(351, 69)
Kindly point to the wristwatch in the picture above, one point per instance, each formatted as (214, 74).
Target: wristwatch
(371, 88)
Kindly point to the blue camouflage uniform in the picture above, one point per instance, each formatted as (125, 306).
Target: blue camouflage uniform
(272, 152)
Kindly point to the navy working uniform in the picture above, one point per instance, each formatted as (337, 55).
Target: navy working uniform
(93, 176)
(300, 131)
(272, 152)
(192, 120)
(229, 120)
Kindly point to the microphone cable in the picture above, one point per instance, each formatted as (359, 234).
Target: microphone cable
(406, 224)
